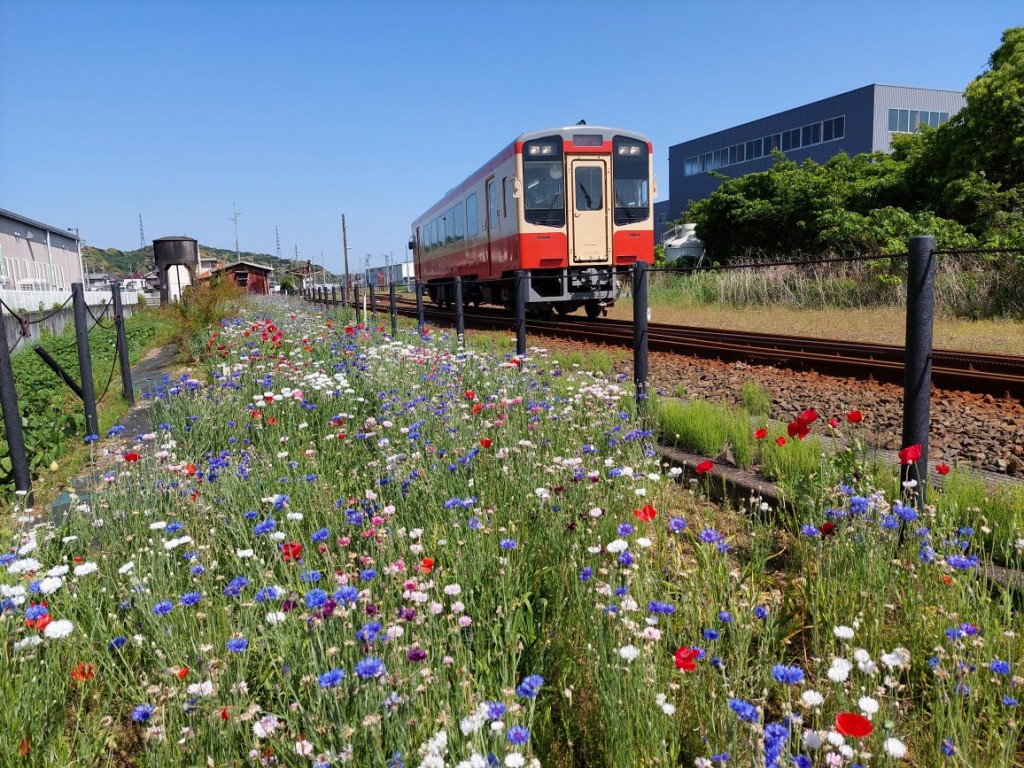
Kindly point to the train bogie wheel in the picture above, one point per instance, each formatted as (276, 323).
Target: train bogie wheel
(593, 310)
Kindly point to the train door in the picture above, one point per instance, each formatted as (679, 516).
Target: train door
(589, 225)
(493, 217)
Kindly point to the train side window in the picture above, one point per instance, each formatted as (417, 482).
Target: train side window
(506, 193)
(471, 216)
(449, 225)
(493, 203)
(460, 230)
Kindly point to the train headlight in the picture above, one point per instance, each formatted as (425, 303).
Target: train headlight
(629, 149)
(541, 149)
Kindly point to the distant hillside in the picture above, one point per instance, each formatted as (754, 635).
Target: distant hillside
(123, 263)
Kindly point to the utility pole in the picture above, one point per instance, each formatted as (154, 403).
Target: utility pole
(277, 237)
(344, 245)
(368, 269)
(234, 218)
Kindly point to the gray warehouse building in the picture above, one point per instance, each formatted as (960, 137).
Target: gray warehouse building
(862, 120)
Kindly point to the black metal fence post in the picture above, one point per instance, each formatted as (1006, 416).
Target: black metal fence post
(334, 297)
(92, 422)
(355, 300)
(640, 331)
(394, 310)
(460, 317)
(521, 286)
(12, 423)
(122, 345)
(917, 364)
(420, 322)
(372, 294)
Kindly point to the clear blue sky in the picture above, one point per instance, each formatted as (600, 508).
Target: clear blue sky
(301, 111)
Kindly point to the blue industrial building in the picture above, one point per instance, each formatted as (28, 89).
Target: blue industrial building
(862, 120)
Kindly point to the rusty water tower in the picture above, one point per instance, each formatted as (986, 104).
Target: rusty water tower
(175, 252)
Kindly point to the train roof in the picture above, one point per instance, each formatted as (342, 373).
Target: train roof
(564, 131)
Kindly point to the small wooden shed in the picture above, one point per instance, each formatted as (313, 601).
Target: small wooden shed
(255, 278)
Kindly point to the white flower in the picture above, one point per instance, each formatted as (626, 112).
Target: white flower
(58, 629)
(58, 570)
(898, 658)
(265, 726)
(276, 617)
(29, 642)
(843, 632)
(895, 748)
(629, 652)
(453, 589)
(596, 512)
(50, 584)
(839, 671)
(811, 698)
(296, 516)
(173, 543)
(157, 526)
(244, 553)
(85, 569)
(202, 689)
(126, 568)
(514, 760)
(24, 565)
(861, 656)
(812, 740)
(619, 545)
(835, 738)
(868, 705)
(643, 542)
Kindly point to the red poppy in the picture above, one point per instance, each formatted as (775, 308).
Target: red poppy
(190, 469)
(685, 659)
(827, 529)
(132, 456)
(854, 417)
(947, 580)
(942, 469)
(24, 746)
(761, 434)
(647, 513)
(349, 330)
(809, 416)
(703, 467)
(780, 440)
(910, 454)
(477, 407)
(486, 442)
(82, 672)
(833, 422)
(291, 550)
(223, 713)
(43, 621)
(470, 394)
(852, 724)
(798, 429)
(427, 564)
(271, 421)
(182, 673)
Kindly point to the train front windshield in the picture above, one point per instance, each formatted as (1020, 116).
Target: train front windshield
(543, 182)
(631, 171)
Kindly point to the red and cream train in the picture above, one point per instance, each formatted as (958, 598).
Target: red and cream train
(572, 205)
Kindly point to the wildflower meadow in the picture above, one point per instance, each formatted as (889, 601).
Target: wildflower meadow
(342, 547)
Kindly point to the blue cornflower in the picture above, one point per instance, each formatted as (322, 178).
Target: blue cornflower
(962, 562)
(235, 586)
(625, 558)
(367, 575)
(621, 591)
(265, 594)
(904, 513)
(475, 524)
(266, 526)
(316, 598)
(190, 598)
(677, 525)
(789, 675)
(1009, 701)
(495, 710)
(709, 536)
(36, 611)
(711, 635)
(775, 735)
(309, 576)
(320, 535)
(142, 713)
(802, 761)
(744, 710)
(174, 527)
(721, 757)
(586, 573)
(666, 608)
(858, 505)
(948, 748)
(761, 612)
(625, 529)
(197, 570)
(91, 438)
(810, 530)
(530, 686)
(725, 617)
(517, 735)
(346, 595)
(331, 678)
(1000, 667)
(369, 667)
(889, 522)
(117, 642)
(926, 554)
(507, 544)
(237, 644)
(163, 607)
(368, 632)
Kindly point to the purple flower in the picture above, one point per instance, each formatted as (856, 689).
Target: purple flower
(789, 675)
(517, 735)
(530, 686)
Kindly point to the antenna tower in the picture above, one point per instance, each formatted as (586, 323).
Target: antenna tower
(277, 236)
(142, 235)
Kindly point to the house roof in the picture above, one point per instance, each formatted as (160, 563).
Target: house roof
(226, 267)
(68, 233)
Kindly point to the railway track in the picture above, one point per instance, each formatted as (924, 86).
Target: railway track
(998, 375)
